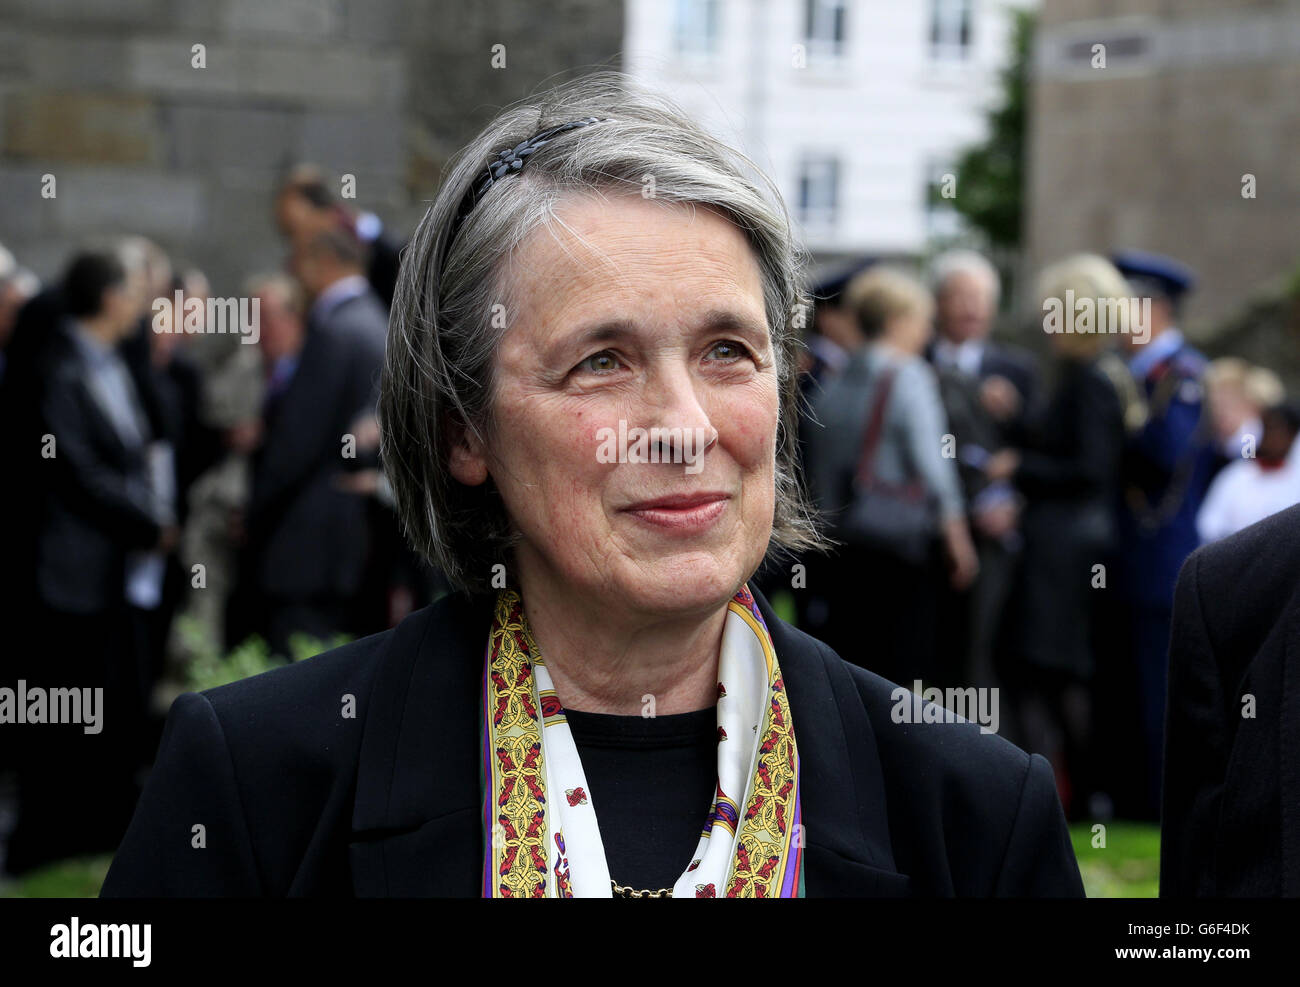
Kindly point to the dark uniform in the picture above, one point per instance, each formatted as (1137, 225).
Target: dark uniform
(1168, 467)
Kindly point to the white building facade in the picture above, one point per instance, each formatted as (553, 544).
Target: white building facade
(854, 107)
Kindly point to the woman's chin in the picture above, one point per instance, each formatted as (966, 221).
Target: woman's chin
(672, 586)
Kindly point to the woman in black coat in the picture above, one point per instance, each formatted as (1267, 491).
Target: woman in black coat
(1066, 469)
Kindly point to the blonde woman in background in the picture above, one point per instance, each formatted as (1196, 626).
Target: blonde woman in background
(1066, 469)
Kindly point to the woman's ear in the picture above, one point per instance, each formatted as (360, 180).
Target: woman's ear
(468, 463)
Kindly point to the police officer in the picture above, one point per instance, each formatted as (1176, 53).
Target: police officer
(1168, 467)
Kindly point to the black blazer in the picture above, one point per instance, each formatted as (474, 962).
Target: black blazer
(297, 800)
(1017, 366)
(307, 538)
(1012, 362)
(1231, 810)
(97, 494)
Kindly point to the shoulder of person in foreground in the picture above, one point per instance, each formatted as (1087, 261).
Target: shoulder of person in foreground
(1228, 637)
(970, 814)
(251, 789)
(1248, 577)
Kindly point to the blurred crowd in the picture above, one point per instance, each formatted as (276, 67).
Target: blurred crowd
(1016, 519)
(164, 472)
(1005, 518)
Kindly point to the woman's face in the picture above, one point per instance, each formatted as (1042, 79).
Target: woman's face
(634, 315)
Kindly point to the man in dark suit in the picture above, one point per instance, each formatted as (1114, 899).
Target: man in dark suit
(967, 289)
(307, 537)
(106, 522)
(305, 207)
(1230, 821)
(330, 266)
(988, 390)
(389, 803)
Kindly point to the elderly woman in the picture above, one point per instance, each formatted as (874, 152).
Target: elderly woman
(588, 424)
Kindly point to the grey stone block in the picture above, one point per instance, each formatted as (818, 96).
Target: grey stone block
(166, 65)
(83, 126)
(378, 21)
(70, 61)
(345, 76)
(23, 213)
(80, 13)
(306, 20)
(121, 200)
(203, 137)
(329, 75)
(199, 15)
(352, 141)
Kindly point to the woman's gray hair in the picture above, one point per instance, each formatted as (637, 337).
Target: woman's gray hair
(447, 322)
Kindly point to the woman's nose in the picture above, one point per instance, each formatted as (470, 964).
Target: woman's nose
(677, 415)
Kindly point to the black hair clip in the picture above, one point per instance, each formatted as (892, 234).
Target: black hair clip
(508, 162)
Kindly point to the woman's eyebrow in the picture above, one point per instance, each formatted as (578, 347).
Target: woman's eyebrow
(617, 330)
(728, 319)
(605, 331)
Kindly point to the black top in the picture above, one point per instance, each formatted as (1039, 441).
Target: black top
(652, 780)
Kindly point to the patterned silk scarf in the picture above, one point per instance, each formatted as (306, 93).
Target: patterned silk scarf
(540, 816)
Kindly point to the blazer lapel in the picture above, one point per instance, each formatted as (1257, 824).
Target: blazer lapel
(847, 849)
(416, 820)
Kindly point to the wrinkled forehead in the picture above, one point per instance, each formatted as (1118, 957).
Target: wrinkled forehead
(648, 262)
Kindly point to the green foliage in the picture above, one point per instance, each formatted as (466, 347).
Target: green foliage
(990, 176)
(80, 877)
(783, 606)
(1127, 867)
(1293, 284)
(208, 668)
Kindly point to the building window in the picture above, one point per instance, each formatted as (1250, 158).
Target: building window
(819, 191)
(950, 29)
(824, 27)
(695, 27)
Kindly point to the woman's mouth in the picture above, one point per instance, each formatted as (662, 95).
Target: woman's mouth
(681, 513)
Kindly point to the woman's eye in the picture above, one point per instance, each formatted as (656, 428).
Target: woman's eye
(600, 363)
(728, 351)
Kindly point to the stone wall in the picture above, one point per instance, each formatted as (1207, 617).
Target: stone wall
(105, 97)
(1150, 151)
